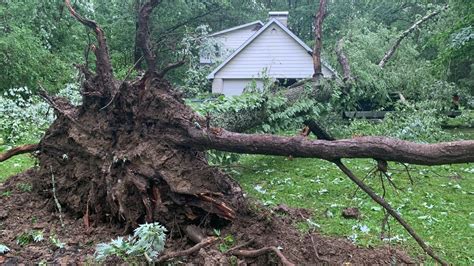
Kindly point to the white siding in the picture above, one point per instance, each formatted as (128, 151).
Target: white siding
(274, 52)
(234, 39)
(234, 87)
(231, 41)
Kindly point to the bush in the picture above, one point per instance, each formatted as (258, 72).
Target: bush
(25, 116)
(147, 241)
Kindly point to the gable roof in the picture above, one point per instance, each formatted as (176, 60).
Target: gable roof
(257, 22)
(258, 33)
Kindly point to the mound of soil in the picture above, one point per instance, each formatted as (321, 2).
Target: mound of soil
(23, 211)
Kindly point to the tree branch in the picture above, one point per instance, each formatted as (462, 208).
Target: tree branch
(18, 150)
(171, 66)
(259, 252)
(143, 34)
(382, 166)
(343, 61)
(103, 65)
(187, 252)
(383, 148)
(404, 34)
(390, 210)
(318, 39)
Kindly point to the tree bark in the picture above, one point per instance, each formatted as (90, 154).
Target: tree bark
(143, 34)
(390, 52)
(17, 151)
(343, 61)
(383, 148)
(318, 39)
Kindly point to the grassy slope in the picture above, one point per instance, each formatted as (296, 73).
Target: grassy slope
(438, 205)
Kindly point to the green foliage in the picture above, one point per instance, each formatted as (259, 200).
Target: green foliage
(24, 116)
(29, 237)
(25, 62)
(221, 157)
(55, 241)
(147, 241)
(422, 123)
(227, 242)
(24, 187)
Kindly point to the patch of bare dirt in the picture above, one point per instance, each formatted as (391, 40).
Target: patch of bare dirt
(23, 211)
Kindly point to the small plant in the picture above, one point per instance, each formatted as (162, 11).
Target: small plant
(217, 232)
(227, 242)
(24, 187)
(56, 242)
(3, 249)
(6, 193)
(28, 237)
(147, 241)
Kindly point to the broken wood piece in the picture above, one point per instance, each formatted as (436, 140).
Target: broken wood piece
(187, 252)
(262, 251)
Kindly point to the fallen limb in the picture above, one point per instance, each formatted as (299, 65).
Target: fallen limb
(383, 148)
(382, 166)
(390, 210)
(18, 150)
(260, 252)
(240, 246)
(187, 252)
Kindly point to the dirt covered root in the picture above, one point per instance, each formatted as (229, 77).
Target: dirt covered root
(25, 211)
(115, 159)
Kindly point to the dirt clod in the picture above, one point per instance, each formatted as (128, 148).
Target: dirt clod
(351, 213)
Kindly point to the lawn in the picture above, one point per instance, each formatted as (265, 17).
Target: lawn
(14, 165)
(438, 204)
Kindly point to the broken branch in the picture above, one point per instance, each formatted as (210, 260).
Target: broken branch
(259, 252)
(390, 210)
(343, 61)
(381, 201)
(187, 252)
(18, 150)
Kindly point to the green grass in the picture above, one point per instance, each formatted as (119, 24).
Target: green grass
(15, 165)
(438, 205)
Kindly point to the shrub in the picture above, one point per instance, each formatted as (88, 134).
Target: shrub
(147, 241)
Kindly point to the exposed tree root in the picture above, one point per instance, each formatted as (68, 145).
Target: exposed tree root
(18, 150)
(206, 242)
(262, 251)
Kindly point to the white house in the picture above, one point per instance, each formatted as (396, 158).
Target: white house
(269, 50)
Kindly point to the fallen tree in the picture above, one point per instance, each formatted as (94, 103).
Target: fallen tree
(133, 152)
